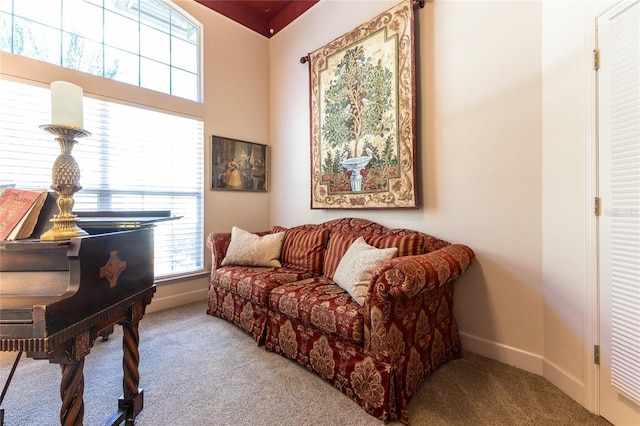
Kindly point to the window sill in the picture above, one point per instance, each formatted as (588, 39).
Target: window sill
(174, 279)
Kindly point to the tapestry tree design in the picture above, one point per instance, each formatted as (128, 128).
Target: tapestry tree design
(358, 104)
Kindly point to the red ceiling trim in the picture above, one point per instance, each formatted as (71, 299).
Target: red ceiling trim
(240, 13)
(255, 21)
(290, 13)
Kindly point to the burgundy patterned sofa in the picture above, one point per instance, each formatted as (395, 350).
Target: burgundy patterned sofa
(378, 354)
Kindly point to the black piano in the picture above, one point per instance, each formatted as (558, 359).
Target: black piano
(57, 297)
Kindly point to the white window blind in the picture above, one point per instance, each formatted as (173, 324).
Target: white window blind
(625, 201)
(135, 159)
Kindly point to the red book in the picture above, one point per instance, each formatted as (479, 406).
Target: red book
(16, 206)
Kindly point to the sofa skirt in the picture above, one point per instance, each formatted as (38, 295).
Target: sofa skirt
(250, 317)
(367, 382)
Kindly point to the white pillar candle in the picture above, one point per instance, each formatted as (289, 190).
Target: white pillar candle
(66, 104)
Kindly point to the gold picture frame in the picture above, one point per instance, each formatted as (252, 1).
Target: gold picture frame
(238, 165)
(363, 108)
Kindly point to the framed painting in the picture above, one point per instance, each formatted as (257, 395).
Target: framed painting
(238, 165)
(363, 107)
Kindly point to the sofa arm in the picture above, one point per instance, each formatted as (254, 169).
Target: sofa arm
(218, 242)
(408, 296)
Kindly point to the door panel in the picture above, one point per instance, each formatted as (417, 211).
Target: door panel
(618, 41)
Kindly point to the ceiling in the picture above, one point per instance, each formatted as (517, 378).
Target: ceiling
(263, 17)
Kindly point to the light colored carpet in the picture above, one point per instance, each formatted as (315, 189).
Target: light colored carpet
(199, 370)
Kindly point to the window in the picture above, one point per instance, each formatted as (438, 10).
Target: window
(140, 156)
(135, 159)
(146, 43)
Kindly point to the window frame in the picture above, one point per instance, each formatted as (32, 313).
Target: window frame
(174, 70)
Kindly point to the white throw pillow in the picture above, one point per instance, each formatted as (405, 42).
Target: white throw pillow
(357, 265)
(249, 249)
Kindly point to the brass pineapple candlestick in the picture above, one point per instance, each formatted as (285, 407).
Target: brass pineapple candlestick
(65, 176)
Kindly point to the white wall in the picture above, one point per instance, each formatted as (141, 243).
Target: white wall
(479, 153)
(236, 100)
(569, 333)
(502, 156)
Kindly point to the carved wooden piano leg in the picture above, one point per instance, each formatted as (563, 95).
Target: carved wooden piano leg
(132, 400)
(71, 392)
(131, 360)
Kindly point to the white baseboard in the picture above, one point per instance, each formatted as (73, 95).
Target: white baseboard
(530, 362)
(565, 382)
(527, 361)
(173, 300)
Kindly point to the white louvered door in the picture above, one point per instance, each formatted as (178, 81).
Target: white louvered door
(618, 38)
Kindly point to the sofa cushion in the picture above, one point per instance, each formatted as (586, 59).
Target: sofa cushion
(357, 265)
(304, 249)
(339, 243)
(249, 249)
(321, 303)
(407, 245)
(254, 283)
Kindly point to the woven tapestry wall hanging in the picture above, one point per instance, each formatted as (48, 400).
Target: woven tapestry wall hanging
(363, 109)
